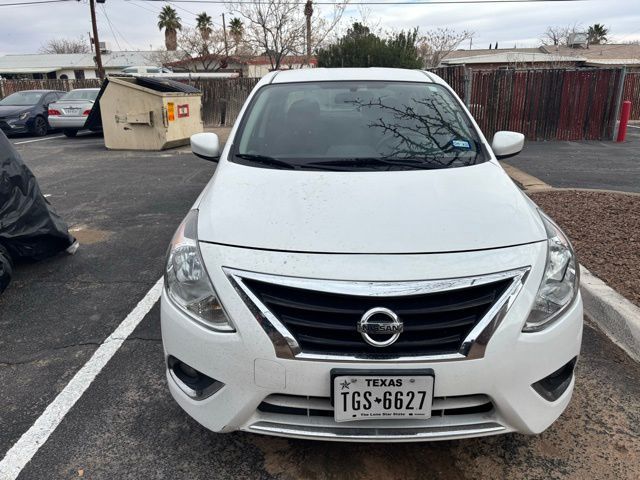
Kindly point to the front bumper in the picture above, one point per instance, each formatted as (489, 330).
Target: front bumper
(14, 127)
(252, 373)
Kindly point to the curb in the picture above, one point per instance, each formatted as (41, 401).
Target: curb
(616, 316)
(526, 182)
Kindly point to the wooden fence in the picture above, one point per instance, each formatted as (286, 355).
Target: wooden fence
(7, 87)
(222, 99)
(632, 93)
(547, 104)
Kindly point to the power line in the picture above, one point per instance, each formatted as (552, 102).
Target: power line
(371, 2)
(38, 2)
(104, 13)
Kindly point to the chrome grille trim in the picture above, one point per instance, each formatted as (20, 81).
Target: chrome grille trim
(381, 434)
(287, 347)
(322, 403)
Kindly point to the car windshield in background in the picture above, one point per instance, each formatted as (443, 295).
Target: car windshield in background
(22, 99)
(356, 126)
(87, 95)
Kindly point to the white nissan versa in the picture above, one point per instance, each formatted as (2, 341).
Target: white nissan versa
(360, 268)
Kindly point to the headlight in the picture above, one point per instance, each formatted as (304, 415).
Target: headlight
(23, 116)
(560, 281)
(186, 279)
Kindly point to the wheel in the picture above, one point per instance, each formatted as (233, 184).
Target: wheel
(70, 133)
(40, 127)
(6, 268)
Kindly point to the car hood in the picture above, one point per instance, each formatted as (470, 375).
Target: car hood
(426, 211)
(13, 110)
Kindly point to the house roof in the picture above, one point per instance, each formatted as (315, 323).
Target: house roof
(48, 62)
(512, 57)
(485, 51)
(607, 51)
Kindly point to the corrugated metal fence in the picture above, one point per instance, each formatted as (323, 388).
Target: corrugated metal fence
(543, 104)
(632, 93)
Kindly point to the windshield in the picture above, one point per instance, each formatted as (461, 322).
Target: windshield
(22, 99)
(356, 126)
(88, 95)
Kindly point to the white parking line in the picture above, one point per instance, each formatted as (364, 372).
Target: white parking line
(38, 140)
(633, 126)
(30, 442)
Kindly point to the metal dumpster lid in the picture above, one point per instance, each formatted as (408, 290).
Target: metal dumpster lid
(165, 85)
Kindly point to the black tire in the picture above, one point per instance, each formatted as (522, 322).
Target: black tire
(6, 268)
(70, 133)
(40, 126)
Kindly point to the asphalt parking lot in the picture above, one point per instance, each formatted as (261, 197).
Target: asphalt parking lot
(124, 208)
(600, 165)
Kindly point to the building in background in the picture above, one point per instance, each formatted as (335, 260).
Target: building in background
(68, 65)
(246, 66)
(548, 56)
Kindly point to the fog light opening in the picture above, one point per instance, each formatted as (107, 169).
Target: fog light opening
(553, 386)
(195, 384)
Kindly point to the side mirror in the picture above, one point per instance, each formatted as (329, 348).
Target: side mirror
(507, 144)
(206, 145)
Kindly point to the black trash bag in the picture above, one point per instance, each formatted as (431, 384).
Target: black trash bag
(29, 229)
(6, 268)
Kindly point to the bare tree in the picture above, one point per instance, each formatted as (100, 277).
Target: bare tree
(438, 43)
(555, 35)
(558, 35)
(206, 54)
(66, 45)
(163, 57)
(277, 28)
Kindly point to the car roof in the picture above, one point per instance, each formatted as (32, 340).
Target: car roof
(342, 74)
(77, 89)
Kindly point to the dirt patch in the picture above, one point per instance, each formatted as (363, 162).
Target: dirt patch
(604, 228)
(88, 236)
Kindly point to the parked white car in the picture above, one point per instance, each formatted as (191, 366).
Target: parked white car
(142, 69)
(71, 111)
(361, 268)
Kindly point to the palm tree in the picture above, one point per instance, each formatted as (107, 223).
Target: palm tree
(597, 34)
(236, 29)
(204, 25)
(170, 21)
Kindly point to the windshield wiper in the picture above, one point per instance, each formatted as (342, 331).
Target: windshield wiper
(265, 160)
(372, 162)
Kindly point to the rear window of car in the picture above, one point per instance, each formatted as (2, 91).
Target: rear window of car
(356, 126)
(89, 95)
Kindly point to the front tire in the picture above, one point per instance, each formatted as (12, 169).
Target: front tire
(40, 127)
(70, 133)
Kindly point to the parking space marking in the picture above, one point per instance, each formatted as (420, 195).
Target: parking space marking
(38, 140)
(633, 126)
(30, 442)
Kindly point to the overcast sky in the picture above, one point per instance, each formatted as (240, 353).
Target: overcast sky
(23, 29)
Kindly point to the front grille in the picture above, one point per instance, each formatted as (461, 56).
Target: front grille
(292, 405)
(326, 323)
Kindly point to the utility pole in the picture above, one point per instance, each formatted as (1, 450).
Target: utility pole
(96, 42)
(308, 11)
(224, 33)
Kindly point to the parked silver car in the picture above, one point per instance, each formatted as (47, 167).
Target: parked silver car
(71, 111)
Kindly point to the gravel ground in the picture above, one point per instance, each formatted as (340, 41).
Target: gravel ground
(605, 230)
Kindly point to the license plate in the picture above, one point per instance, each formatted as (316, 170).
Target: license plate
(379, 395)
